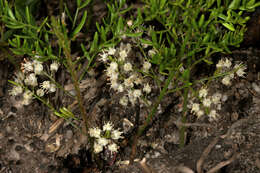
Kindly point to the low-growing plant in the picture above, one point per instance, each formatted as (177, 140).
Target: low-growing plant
(153, 51)
(190, 33)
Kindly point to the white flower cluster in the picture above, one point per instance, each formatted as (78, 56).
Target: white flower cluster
(123, 75)
(212, 103)
(30, 70)
(105, 137)
(224, 65)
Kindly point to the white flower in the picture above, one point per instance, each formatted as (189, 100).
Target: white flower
(116, 134)
(224, 98)
(31, 80)
(122, 55)
(52, 88)
(231, 75)
(113, 66)
(151, 52)
(203, 92)
(220, 63)
(129, 22)
(102, 141)
(26, 101)
(114, 76)
(54, 66)
(132, 99)
(127, 47)
(137, 79)
(120, 88)
(16, 90)
(216, 98)
(104, 56)
(108, 126)
(137, 93)
(19, 77)
(195, 107)
(146, 66)
(241, 70)
(218, 106)
(27, 66)
(129, 82)
(38, 67)
(226, 81)
(123, 101)
(111, 51)
(200, 113)
(224, 63)
(109, 71)
(128, 67)
(144, 45)
(94, 132)
(206, 102)
(213, 114)
(112, 147)
(40, 92)
(114, 85)
(46, 85)
(147, 88)
(227, 63)
(97, 148)
(27, 97)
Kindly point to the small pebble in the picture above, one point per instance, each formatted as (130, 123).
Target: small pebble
(69, 134)
(256, 87)
(9, 129)
(28, 147)
(14, 155)
(224, 98)
(218, 146)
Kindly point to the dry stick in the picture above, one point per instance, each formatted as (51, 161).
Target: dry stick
(145, 168)
(184, 169)
(205, 154)
(257, 162)
(178, 123)
(222, 164)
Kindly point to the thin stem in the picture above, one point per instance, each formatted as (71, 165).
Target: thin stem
(76, 86)
(183, 120)
(64, 42)
(154, 110)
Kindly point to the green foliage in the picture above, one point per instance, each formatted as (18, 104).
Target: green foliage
(195, 29)
(182, 33)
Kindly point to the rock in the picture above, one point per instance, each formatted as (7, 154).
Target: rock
(256, 87)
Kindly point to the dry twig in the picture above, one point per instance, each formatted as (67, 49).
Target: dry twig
(257, 162)
(205, 154)
(178, 124)
(222, 164)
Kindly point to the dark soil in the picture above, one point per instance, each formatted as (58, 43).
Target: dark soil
(33, 140)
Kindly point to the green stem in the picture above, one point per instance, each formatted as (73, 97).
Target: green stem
(154, 110)
(183, 120)
(76, 86)
(64, 42)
